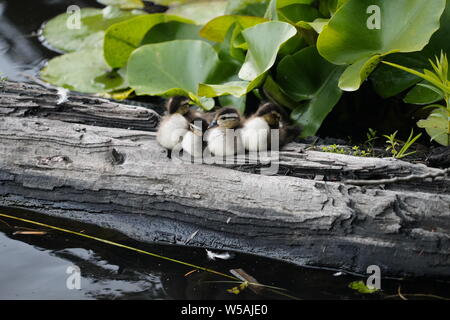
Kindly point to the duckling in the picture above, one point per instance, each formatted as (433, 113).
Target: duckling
(223, 134)
(256, 132)
(175, 124)
(193, 142)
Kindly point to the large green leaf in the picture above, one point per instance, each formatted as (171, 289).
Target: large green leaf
(348, 40)
(201, 12)
(172, 30)
(174, 67)
(216, 29)
(329, 7)
(298, 12)
(84, 71)
(234, 102)
(264, 41)
(59, 33)
(121, 39)
(389, 82)
(308, 78)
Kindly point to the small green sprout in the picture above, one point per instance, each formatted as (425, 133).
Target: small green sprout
(394, 144)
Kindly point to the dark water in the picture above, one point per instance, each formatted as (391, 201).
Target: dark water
(35, 266)
(21, 52)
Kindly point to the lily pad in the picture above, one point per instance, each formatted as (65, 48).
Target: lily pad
(235, 88)
(216, 29)
(347, 39)
(60, 36)
(83, 71)
(312, 81)
(389, 82)
(298, 12)
(234, 102)
(124, 4)
(247, 7)
(154, 69)
(173, 30)
(201, 12)
(121, 39)
(264, 40)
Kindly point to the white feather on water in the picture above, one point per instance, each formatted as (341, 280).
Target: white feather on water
(214, 255)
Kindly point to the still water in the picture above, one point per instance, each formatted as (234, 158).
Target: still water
(40, 266)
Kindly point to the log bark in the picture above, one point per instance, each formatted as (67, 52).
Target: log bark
(62, 162)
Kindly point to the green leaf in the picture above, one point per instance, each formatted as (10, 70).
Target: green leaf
(172, 30)
(274, 93)
(317, 25)
(422, 94)
(264, 41)
(203, 102)
(389, 82)
(123, 4)
(60, 34)
(437, 126)
(247, 7)
(298, 12)
(83, 71)
(216, 29)
(329, 7)
(234, 102)
(271, 12)
(342, 42)
(361, 287)
(235, 88)
(426, 76)
(121, 39)
(201, 12)
(169, 68)
(355, 74)
(308, 78)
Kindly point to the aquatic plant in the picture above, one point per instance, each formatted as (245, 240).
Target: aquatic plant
(302, 54)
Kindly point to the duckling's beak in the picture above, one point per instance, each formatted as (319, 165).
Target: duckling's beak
(213, 124)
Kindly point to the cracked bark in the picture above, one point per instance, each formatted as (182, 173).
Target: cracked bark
(79, 161)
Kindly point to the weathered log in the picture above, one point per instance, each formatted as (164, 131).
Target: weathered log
(122, 179)
(25, 100)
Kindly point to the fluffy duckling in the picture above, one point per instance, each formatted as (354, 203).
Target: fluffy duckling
(256, 134)
(175, 124)
(223, 134)
(193, 142)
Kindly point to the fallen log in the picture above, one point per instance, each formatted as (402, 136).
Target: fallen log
(120, 178)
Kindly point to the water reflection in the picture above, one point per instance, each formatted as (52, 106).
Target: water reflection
(20, 49)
